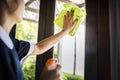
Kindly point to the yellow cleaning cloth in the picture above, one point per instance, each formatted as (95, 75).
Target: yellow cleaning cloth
(78, 14)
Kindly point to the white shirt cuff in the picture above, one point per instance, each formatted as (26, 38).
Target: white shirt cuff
(28, 54)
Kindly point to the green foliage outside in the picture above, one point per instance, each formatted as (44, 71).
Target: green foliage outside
(28, 31)
(67, 76)
(55, 54)
(29, 68)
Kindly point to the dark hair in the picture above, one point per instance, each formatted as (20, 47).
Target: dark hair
(10, 8)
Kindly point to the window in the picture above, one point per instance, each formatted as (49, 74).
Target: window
(74, 54)
(70, 51)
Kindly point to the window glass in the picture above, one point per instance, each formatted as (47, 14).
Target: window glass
(70, 50)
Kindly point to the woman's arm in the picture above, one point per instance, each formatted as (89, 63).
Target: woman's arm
(49, 42)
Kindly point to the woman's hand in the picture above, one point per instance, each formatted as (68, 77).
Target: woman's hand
(69, 24)
(51, 74)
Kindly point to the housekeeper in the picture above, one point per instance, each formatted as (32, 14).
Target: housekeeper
(13, 52)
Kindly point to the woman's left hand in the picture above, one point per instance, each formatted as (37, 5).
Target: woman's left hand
(69, 24)
(51, 74)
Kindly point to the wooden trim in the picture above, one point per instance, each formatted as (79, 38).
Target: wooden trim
(29, 2)
(103, 55)
(97, 52)
(30, 20)
(91, 40)
(46, 29)
(32, 10)
(114, 9)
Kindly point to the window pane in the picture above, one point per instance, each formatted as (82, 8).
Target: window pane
(71, 50)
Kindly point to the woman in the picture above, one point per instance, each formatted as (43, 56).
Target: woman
(14, 52)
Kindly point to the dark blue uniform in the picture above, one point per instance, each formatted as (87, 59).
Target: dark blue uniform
(10, 68)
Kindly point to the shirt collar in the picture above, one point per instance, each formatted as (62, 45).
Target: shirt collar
(5, 38)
